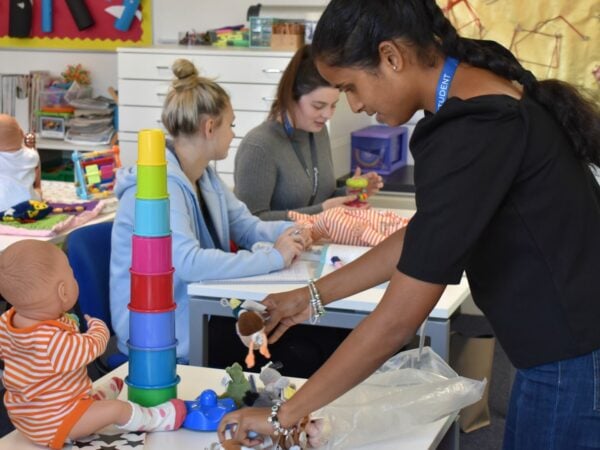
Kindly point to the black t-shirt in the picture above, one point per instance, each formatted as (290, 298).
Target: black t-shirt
(500, 195)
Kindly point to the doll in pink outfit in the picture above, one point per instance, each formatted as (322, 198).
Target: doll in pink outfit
(49, 395)
(350, 226)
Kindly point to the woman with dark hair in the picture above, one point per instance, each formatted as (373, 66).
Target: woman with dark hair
(504, 192)
(285, 163)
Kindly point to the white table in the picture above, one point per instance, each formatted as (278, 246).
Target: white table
(346, 313)
(195, 379)
(61, 191)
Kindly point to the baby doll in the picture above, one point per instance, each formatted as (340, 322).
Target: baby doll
(250, 327)
(49, 395)
(366, 227)
(20, 172)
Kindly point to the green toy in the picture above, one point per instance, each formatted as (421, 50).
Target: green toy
(237, 384)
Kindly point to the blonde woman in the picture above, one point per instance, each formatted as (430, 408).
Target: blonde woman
(205, 215)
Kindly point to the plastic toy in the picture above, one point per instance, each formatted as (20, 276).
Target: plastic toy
(357, 186)
(237, 384)
(205, 413)
(250, 327)
(95, 172)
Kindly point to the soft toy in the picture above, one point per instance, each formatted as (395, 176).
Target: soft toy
(25, 212)
(237, 385)
(250, 326)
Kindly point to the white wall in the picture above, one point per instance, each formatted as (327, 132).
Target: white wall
(170, 17)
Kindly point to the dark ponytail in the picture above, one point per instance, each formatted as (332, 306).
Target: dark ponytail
(349, 32)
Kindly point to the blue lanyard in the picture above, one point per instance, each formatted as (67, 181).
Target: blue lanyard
(441, 93)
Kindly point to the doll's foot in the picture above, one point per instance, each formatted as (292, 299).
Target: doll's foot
(108, 391)
(168, 416)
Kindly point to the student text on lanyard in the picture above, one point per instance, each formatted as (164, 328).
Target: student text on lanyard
(314, 177)
(441, 93)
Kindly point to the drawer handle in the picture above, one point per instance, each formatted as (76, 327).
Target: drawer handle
(162, 67)
(272, 70)
(268, 99)
(161, 94)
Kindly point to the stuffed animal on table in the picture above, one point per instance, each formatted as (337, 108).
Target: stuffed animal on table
(237, 385)
(250, 327)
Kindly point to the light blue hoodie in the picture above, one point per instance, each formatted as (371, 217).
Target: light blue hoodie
(195, 256)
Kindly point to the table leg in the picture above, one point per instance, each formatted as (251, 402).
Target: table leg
(439, 332)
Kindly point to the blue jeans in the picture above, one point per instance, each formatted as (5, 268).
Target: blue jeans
(556, 406)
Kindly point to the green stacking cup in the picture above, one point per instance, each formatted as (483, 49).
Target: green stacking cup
(152, 182)
(151, 396)
(151, 147)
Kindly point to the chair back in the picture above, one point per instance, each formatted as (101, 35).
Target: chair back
(88, 251)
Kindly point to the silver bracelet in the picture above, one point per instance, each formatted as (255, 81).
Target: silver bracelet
(274, 420)
(315, 300)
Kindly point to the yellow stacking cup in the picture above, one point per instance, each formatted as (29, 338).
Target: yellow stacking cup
(151, 147)
(152, 182)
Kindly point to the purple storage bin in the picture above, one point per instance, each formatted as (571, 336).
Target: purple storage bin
(379, 148)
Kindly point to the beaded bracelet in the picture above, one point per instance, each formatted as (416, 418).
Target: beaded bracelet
(315, 301)
(274, 420)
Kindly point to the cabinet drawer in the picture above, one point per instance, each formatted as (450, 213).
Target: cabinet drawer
(225, 68)
(249, 97)
(135, 118)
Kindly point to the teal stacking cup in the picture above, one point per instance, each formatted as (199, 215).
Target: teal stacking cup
(152, 366)
(152, 217)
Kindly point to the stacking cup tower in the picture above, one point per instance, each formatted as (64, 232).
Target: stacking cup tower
(152, 377)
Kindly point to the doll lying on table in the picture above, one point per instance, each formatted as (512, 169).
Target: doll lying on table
(350, 226)
(49, 396)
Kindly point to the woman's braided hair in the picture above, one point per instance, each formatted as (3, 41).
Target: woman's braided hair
(349, 32)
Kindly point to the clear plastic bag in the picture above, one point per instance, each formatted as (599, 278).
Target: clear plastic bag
(408, 390)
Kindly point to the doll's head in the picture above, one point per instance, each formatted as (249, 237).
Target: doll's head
(11, 135)
(36, 278)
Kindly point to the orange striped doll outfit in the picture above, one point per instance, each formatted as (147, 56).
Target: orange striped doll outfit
(366, 227)
(47, 385)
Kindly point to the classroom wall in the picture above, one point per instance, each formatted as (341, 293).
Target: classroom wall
(169, 17)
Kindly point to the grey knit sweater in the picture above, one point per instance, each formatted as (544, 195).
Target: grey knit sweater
(270, 179)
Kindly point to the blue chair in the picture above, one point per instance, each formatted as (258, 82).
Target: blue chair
(88, 251)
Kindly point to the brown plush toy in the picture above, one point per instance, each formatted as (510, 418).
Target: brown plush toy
(250, 327)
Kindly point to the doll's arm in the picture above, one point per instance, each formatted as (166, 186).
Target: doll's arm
(69, 350)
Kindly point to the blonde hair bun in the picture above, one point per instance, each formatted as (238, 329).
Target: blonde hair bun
(186, 74)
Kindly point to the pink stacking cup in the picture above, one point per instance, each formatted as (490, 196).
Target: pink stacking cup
(151, 255)
(152, 293)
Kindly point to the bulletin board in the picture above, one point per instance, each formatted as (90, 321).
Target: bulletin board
(102, 35)
(553, 38)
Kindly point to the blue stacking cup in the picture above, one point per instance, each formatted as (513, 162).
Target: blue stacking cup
(152, 217)
(152, 367)
(152, 329)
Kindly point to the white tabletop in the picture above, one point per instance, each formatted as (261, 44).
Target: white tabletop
(364, 301)
(193, 381)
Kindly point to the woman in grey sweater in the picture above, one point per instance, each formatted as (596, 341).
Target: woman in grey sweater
(285, 163)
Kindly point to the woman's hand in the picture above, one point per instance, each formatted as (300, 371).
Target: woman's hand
(290, 245)
(335, 202)
(284, 310)
(239, 423)
(374, 179)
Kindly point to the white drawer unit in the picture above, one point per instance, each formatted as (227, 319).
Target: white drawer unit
(250, 76)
